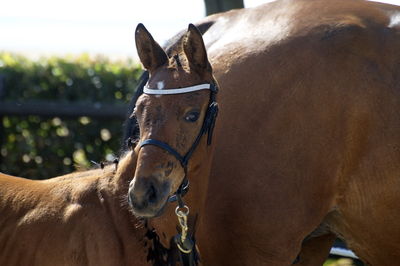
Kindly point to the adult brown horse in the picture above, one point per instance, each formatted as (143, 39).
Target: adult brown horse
(77, 219)
(307, 143)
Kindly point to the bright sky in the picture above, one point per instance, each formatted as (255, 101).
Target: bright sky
(94, 26)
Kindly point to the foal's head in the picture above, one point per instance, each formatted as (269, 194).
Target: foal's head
(173, 114)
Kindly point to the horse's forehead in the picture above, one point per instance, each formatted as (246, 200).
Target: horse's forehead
(172, 102)
(172, 78)
(156, 103)
(169, 78)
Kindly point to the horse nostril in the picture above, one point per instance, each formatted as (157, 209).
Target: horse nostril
(134, 201)
(152, 194)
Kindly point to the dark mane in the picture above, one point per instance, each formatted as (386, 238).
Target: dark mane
(172, 45)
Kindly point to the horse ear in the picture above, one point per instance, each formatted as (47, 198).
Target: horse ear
(195, 50)
(150, 52)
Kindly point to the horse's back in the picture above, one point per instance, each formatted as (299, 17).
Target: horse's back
(310, 92)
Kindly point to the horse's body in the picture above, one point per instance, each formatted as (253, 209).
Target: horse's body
(308, 139)
(76, 219)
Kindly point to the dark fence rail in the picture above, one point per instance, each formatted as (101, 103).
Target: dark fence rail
(58, 114)
(67, 110)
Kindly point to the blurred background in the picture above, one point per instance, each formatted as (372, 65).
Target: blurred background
(62, 27)
(67, 72)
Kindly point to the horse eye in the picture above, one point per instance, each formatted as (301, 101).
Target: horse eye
(192, 116)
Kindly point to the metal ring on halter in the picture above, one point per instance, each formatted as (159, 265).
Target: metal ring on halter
(183, 190)
(180, 213)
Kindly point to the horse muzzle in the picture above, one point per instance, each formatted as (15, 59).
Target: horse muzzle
(148, 196)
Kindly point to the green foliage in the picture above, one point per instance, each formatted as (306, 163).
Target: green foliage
(38, 148)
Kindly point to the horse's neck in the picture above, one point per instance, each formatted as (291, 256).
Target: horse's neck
(99, 195)
(124, 173)
(110, 188)
(115, 186)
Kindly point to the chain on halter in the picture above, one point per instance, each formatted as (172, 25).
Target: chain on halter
(181, 238)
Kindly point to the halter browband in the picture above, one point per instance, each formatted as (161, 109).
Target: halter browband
(207, 127)
(204, 86)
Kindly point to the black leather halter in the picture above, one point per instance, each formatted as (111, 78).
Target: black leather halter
(207, 127)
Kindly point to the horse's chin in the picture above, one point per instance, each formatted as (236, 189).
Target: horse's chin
(162, 210)
(150, 213)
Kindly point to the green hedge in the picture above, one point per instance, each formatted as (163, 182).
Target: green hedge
(39, 148)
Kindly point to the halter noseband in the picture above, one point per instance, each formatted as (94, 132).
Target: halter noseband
(207, 127)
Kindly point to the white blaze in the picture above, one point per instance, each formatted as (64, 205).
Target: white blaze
(160, 86)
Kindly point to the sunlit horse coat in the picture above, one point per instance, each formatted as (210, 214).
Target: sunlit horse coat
(77, 219)
(307, 143)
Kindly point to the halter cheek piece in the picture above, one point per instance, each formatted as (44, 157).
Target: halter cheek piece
(207, 127)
